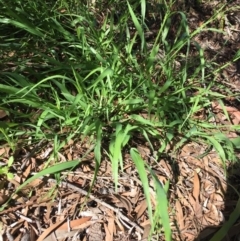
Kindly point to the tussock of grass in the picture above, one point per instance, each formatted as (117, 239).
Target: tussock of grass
(92, 69)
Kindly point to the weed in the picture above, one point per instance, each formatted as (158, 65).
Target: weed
(64, 65)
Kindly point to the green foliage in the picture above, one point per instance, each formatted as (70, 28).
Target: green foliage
(101, 78)
(5, 169)
(50, 170)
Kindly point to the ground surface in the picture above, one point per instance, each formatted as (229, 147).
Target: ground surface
(201, 197)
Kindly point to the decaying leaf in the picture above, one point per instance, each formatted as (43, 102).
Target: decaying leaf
(196, 186)
(3, 113)
(141, 208)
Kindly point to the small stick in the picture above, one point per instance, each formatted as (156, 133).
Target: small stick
(85, 193)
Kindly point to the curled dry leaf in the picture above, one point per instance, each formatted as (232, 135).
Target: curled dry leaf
(3, 114)
(121, 201)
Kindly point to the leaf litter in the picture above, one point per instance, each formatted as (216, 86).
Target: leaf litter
(46, 209)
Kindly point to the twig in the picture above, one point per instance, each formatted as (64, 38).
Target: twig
(85, 193)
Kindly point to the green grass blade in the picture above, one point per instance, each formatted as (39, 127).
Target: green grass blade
(143, 9)
(50, 170)
(137, 26)
(162, 207)
(139, 163)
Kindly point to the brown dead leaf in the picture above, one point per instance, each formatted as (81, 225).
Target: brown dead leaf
(190, 236)
(49, 230)
(95, 231)
(145, 223)
(74, 224)
(218, 199)
(3, 113)
(146, 231)
(179, 215)
(196, 206)
(166, 167)
(19, 237)
(237, 116)
(134, 191)
(186, 150)
(198, 210)
(140, 209)
(49, 209)
(229, 109)
(18, 226)
(4, 151)
(210, 220)
(32, 185)
(183, 200)
(69, 156)
(120, 226)
(110, 228)
(196, 186)
(33, 232)
(3, 198)
(61, 235)
(143, 150)
(215, 214)
(121, 201)
(27, 172)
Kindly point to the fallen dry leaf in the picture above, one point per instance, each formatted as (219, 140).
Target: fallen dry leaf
(49, 230)
(3, 113)
(61, 235)
(122, 202)
(110, 228)
(3, 198)
(196, 186)
(4, 151)
(95, 232)
(229, 109)
(140, 209)
(179, 215)
(74, 224)
(146, 232)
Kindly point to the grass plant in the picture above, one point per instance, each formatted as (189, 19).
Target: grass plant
(64, 65)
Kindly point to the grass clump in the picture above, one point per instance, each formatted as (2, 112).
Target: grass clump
(105, 72)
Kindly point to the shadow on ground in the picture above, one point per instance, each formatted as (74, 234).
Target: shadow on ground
(230, 211)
